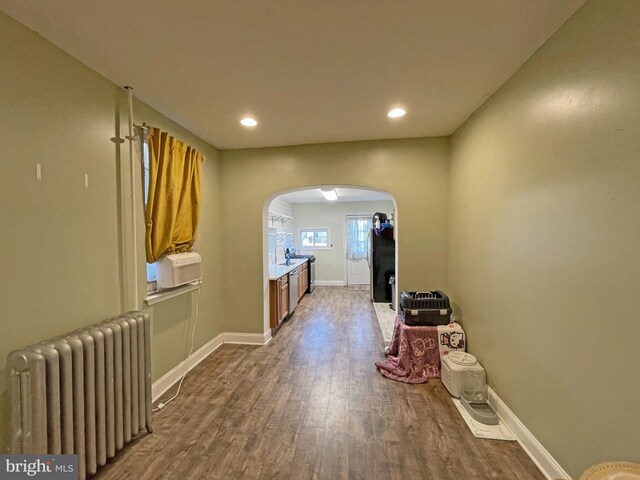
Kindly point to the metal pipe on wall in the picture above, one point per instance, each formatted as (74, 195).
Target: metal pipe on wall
(132, 185)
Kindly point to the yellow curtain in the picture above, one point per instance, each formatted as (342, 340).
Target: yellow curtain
(173, 201)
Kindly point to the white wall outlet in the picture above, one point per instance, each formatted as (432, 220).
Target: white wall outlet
(86, 180)
(38, 171)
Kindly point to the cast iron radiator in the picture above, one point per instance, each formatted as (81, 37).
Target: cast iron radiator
(86, 393)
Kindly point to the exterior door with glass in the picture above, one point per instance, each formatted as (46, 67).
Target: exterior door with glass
(357, 248)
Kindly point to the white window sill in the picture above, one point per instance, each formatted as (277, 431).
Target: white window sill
(161, 295)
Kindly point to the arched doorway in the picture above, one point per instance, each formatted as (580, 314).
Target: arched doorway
(305, 220)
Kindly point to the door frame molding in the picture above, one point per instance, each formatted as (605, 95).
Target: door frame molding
(345, 269)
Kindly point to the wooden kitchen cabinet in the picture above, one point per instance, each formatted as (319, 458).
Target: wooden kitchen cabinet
(278, 302)
(300, 284)
(279, 295)
(306, 277)
(283, 304)
(303, 280)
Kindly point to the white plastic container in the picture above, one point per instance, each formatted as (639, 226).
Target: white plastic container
(453, 367)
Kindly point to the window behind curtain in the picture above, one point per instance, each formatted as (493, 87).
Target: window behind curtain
(172, 214)
(151, 267)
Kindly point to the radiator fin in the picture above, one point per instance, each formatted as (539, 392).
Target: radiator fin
(87, 392)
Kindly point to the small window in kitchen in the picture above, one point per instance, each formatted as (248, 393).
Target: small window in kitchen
(315, 238)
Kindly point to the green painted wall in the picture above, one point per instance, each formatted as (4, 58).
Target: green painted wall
(544, 236)
(413, 171)
(60, 247)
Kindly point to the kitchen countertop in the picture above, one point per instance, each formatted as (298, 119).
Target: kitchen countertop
(277, 271)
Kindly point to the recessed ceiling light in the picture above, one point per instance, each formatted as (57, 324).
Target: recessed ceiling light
(249, 122)
(329, 193)
(397, 113)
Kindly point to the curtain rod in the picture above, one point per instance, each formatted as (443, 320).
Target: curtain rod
(146, 126)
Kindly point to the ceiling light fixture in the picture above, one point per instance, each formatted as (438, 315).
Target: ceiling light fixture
(249, 122)
(397, 113)
(329, 193)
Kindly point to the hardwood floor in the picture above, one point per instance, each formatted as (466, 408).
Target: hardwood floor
(311, 404)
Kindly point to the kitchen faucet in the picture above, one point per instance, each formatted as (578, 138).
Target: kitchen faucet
(275, 259)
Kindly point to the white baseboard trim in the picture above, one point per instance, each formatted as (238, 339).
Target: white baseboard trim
(549, 467)
(247, 338)
(164, 383)
(174, 375)
(329, 283)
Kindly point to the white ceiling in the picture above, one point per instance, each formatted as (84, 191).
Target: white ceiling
(314, 195)
(309, 71)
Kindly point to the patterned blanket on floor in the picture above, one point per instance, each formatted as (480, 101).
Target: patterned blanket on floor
(414, 353)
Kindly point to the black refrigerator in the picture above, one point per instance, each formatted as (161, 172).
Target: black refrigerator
(382, 263)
